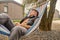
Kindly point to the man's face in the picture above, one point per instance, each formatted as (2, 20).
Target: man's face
(33, 13)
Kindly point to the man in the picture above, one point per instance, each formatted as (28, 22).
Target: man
(21, 28)
(24, 25)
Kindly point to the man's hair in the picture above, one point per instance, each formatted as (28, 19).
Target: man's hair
(36, 11)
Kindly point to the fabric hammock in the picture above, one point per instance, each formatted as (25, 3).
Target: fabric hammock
(33, 27)
(38, 20)
(4, 30)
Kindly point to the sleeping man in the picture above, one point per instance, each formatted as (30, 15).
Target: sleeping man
(20, 28)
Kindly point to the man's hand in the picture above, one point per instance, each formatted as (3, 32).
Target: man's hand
(24, 24)
(17, 24)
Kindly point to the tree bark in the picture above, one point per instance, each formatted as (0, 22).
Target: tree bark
(46, 22)
(51, 13)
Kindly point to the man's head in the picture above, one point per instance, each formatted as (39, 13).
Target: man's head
(34, 12)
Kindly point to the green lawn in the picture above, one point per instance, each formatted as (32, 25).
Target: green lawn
(16, 20)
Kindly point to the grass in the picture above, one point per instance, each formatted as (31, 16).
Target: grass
(19, 20)
(57, 19)
(16, 20)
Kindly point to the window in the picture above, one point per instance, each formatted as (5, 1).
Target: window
(5, 9)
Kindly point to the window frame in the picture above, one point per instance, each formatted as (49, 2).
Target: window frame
(5, 8)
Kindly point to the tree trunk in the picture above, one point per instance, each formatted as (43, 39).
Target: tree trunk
(46, 22)
(51, 13)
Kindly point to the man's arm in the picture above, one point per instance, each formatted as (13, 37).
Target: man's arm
(23, 25)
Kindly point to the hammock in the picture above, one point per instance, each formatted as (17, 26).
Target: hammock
(33, 27)
(4, 30)
(38, 20)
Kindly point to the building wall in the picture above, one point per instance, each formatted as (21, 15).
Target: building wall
(1, 7)
(15, 11)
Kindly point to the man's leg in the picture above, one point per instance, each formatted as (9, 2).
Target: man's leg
(9, 24)
(17, 32)
(5, 20)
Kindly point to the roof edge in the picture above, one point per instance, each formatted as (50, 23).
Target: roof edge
(12, 2)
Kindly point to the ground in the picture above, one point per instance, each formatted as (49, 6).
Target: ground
(56, 25)
(43, 35)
